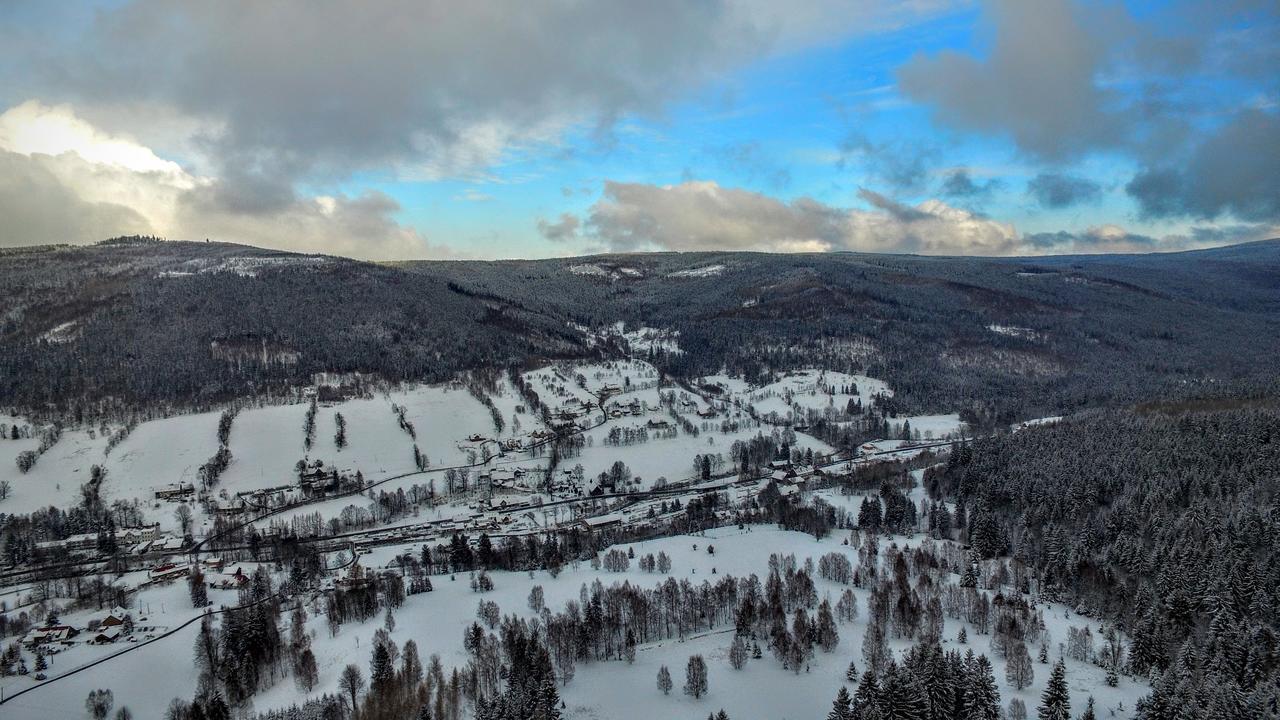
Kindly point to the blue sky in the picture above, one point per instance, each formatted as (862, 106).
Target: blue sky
(395, 130)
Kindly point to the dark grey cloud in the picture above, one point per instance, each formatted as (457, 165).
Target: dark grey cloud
(1066, 77)
(958, 183)
(1059, 190)
(565, 228)
(1234, 171)
(897, 210)
(295, 90)
(1037, 85)
(1102, 239)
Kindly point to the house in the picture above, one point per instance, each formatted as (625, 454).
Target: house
(175, 492)
(169, 572)
(83, 541)
(115, 618)
(230, 581)
(501, 477)
(107, 635)
(354, 578)
(50, 634)
(231, 509)
(710, 412)
(50, 546)
(603, 522)
(135, 535)
(658, 425)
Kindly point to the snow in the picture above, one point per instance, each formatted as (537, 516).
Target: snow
(929, 426)
(588, 269)
(610, 690)
(267, 441)
(1018, 332)
(671, 458)
(704, 271)
(63, 333)
(58, 473)
(1036, 423)
(813, 390)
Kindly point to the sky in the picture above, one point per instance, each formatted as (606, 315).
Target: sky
(404, 129)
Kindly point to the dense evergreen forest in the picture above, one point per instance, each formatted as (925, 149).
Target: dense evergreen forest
(1165, 519)
(135, 323)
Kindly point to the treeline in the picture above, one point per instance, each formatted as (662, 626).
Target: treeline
(1162, 521)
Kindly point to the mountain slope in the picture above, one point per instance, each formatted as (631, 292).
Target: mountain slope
(134, 323)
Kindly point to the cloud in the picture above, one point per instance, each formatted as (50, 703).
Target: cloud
(1037, 85)
(1103, 239)
(1116, 239)
(902, 165)
(705, 216)
(1235, 171)
(1058, 190)
(77, 184)
(958, 183)
(293, 89)
(38, 209)
(702, 215)
(566, 228)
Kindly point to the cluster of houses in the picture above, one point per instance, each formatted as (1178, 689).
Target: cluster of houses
(134, 540)
(101, 630)
(689, 406)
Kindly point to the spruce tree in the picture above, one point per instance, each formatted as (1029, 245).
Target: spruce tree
(981, 696)
(901, 696)
(842, 707)
(1055, 703)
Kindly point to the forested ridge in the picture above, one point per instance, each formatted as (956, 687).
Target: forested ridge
(1166, 521)
(135, 324)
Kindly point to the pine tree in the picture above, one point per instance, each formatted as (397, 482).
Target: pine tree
(981, 696)
(901, 696)
(852, 673)
(842, 707)
(868, 693)
(828, 636)
(380, 668)
(1055, 703)
(1088, 711)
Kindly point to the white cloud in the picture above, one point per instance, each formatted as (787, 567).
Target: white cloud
(65, 180)
(702, 215)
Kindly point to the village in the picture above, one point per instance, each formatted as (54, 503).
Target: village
(612, 450)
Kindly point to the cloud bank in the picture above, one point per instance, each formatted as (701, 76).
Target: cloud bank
(63, 180)
(702, 215)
